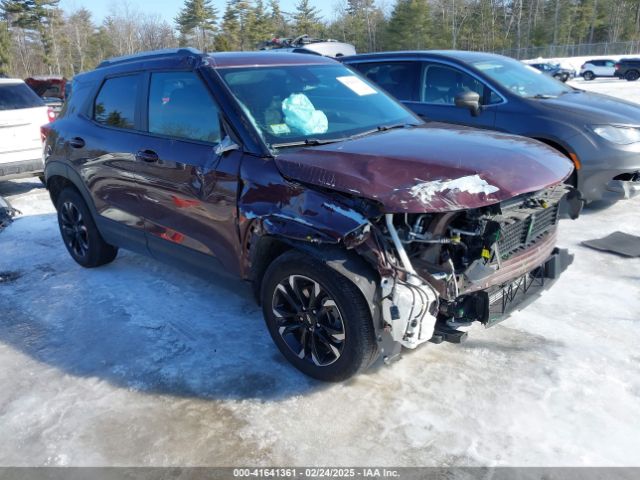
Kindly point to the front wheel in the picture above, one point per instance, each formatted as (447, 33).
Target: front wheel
(632, 75)
(588, 75)
(79, 232)
(318, 319)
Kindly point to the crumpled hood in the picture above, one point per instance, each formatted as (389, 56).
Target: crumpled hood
(595, 108)
(430, 168)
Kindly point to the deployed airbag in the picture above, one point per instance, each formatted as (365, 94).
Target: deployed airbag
(302, 116)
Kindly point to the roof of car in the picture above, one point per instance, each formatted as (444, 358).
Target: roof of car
(263, 58)
(10, 80)
(460, 55)
(218, 60)
(47, 78)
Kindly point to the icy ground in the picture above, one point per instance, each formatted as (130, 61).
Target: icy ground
(137, 363)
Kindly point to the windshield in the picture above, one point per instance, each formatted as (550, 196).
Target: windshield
(307, 104)
(521, 79)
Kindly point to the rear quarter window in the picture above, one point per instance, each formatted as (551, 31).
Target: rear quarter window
(115, 104)
(400, 79)
(14, 96)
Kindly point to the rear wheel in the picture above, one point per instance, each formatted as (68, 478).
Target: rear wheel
(588, 75)
(318, 319)
(632, 75)
(79, 232)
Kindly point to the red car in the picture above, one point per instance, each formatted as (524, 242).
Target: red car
(51, 88)
(362, 229)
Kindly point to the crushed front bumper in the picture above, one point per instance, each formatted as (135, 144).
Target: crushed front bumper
(503, 300)
(625, 186)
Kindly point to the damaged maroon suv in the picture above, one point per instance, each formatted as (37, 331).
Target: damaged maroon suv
(362, 229)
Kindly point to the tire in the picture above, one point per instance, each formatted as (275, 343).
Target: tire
(330, 339)
(588, 75)
(632, 75)
(79, 232)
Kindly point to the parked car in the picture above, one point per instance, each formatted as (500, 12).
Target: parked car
(22, 113)
(600, 134)
(51, 88)
(598, 68)
(628, 68)
(306, 44)
(294, 173)
(553, 70)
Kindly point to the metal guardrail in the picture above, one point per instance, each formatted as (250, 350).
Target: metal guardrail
(576, 50)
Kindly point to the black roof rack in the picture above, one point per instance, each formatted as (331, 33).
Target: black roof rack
(151, 55)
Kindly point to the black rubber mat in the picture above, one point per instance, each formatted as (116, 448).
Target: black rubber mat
(618, 242)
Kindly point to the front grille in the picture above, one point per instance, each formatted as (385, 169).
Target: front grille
(522, 233)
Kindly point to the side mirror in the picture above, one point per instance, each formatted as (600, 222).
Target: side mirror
(226, 145)
(470, 100)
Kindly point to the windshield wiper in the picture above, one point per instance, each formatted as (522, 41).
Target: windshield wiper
(542, 96)
(308, 142)
(384, 128)
(381, 128)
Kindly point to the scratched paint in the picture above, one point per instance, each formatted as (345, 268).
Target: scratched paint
(473, 184)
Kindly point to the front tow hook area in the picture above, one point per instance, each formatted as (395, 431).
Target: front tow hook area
(444, 334)
(626, 186)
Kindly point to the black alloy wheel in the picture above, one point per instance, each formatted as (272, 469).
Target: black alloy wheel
(74, 231)
(79, 231)
(309, 320)
(318, 318)
(632, 75)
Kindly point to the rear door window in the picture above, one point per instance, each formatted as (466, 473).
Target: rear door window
(15, 96)
(400, 79)
(115, 104)
(180, 106)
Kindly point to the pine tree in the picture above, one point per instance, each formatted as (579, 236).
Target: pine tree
(34, 16)
(408, 26)
(362, 20)
(243, 9)
(306, 19)
(278, 21)
(5, 48)
(197, 22)
(259, 25)
(229, 37)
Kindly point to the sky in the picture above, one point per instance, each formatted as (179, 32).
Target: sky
(169, 8)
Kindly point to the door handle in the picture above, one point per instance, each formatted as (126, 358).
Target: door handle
(148, 156)
(77, 142)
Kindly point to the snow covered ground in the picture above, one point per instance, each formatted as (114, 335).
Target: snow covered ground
(137, 363)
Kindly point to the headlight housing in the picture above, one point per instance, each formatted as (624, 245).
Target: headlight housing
(622, 135)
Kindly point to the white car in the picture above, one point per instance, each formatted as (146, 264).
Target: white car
(22, 113)
(598, 68)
